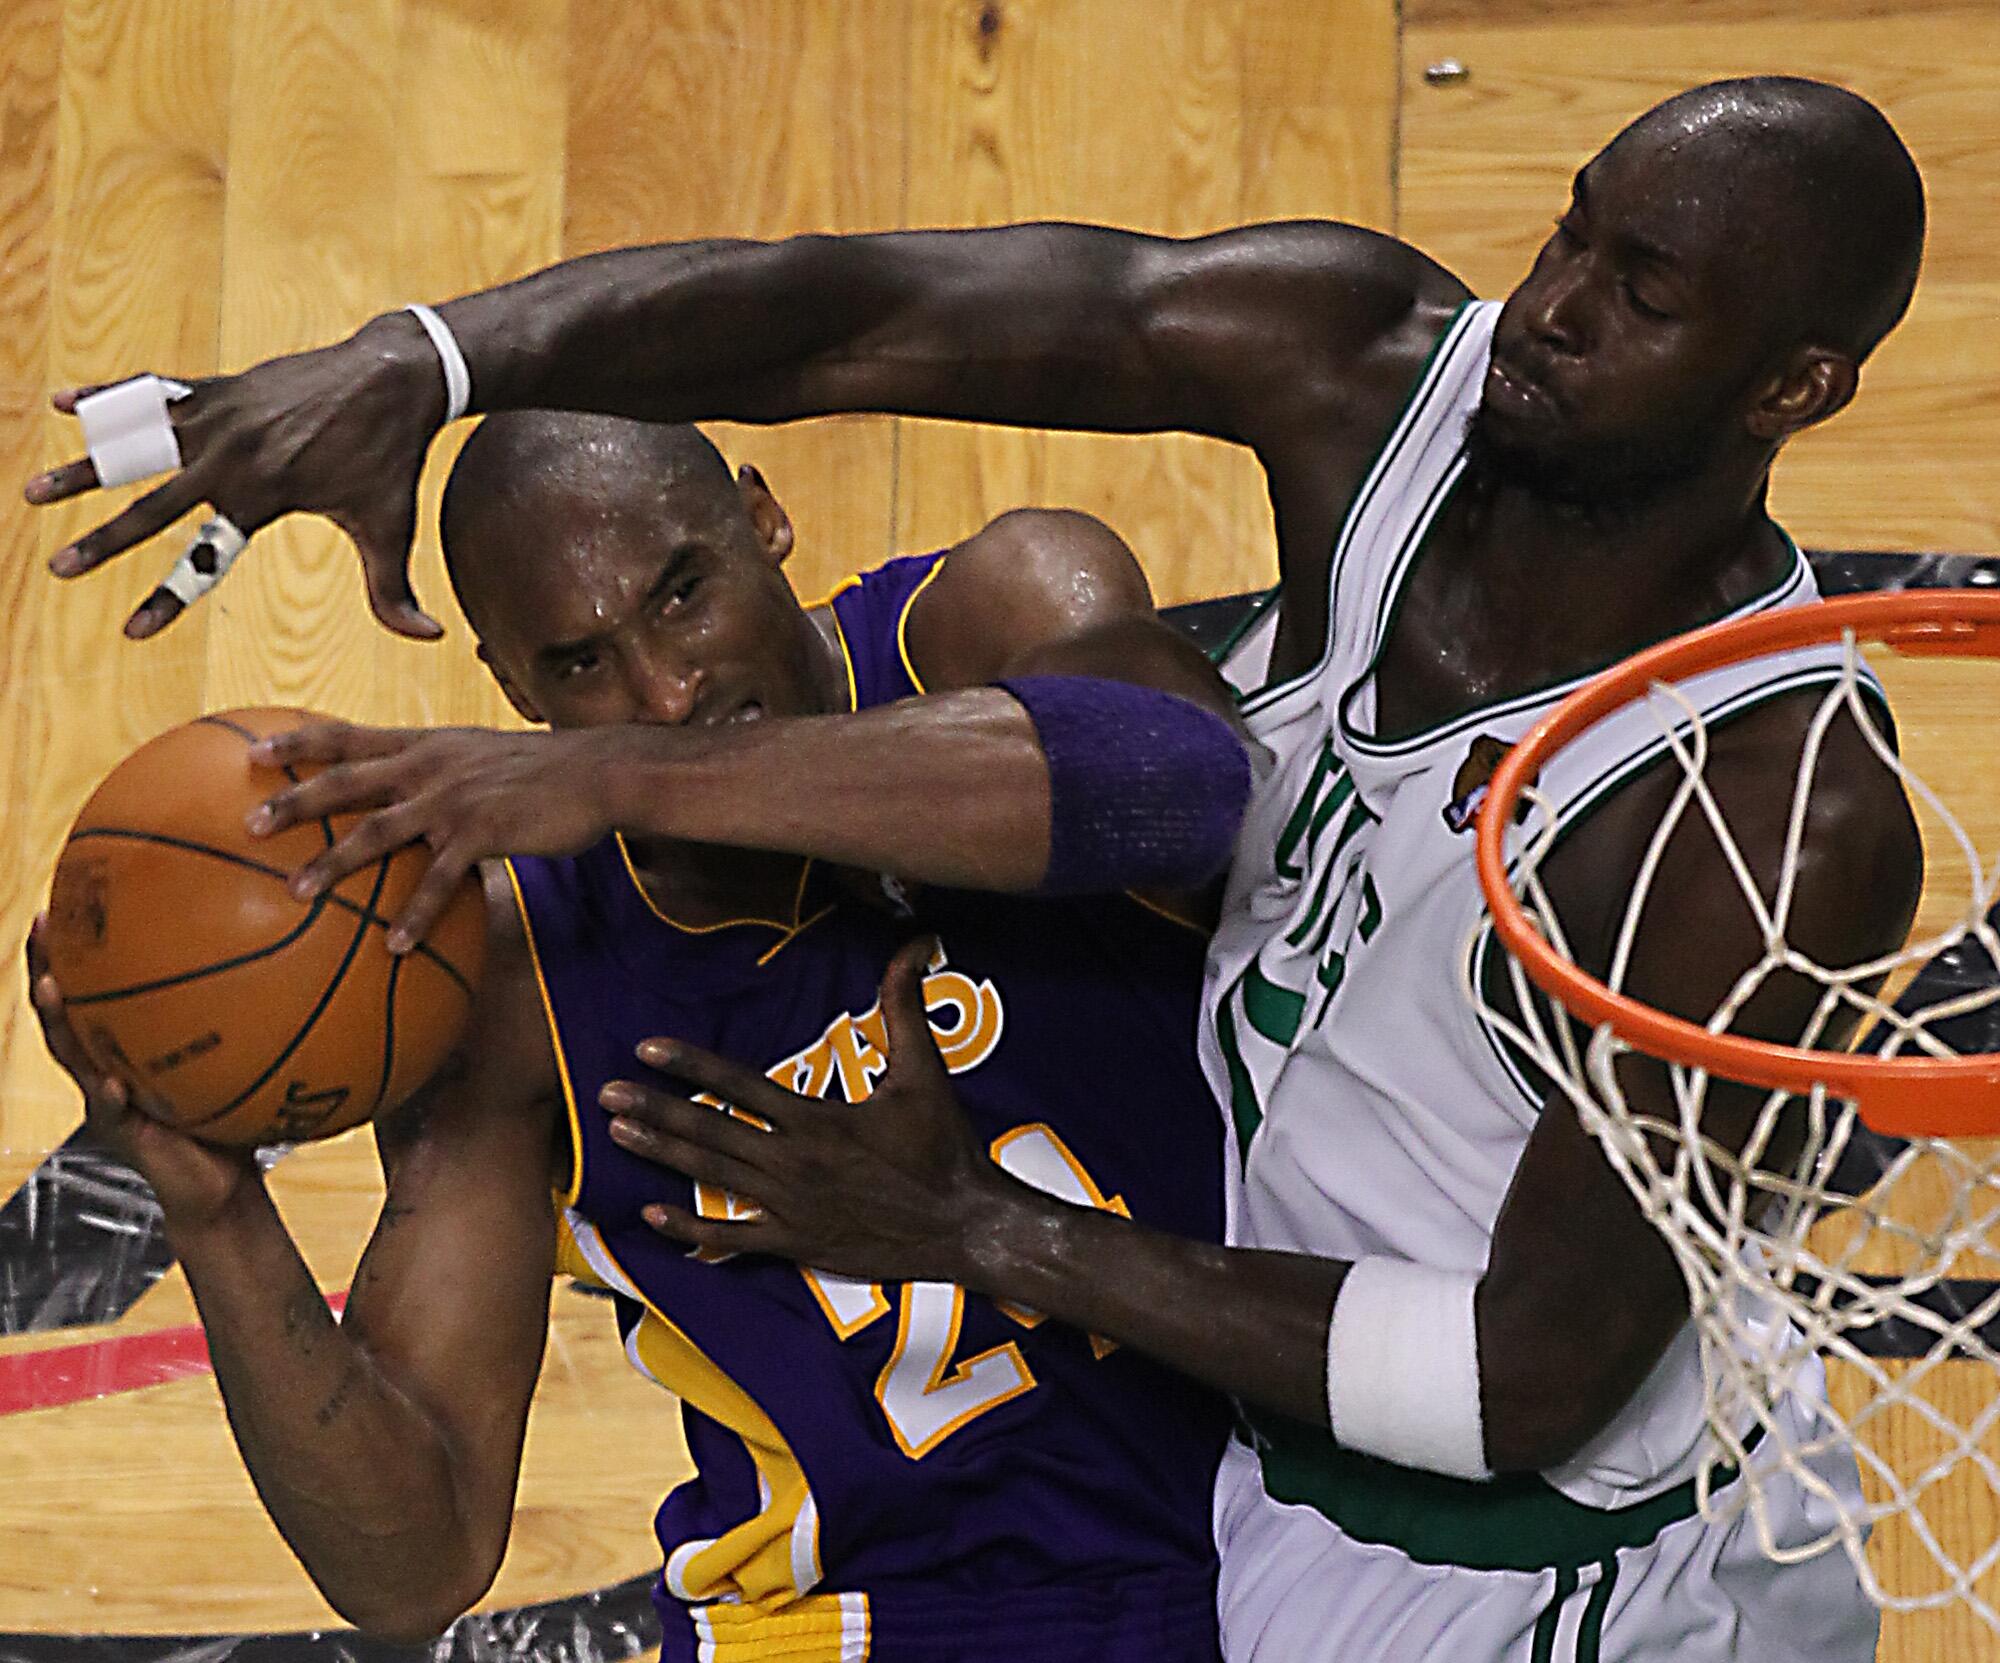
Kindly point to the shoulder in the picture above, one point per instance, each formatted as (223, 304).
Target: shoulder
(1854, 875)
(1029, 577)
(1057, 557)
(1300, 318)
(507, 1044)
(1860, 861)
(1345, 282)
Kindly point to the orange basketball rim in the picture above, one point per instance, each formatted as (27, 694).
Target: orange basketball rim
(1901, 1096)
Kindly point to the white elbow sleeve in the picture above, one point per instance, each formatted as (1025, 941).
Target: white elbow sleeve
(1402, 1367)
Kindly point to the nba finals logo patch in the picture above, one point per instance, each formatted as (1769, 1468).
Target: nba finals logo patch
(1468, 785)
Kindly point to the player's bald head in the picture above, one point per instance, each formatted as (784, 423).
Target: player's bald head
(1809, 186)
(531, 482)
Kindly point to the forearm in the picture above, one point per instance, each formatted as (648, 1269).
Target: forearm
(355, 1475)
(1559, 1347)
(950, 790)
(665, 333)
(1247, 1322)
(1068, 785)
(1028, 324)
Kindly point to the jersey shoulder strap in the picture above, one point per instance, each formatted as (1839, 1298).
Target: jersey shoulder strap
(871, 612)
(1419, 458)
(1410, 481)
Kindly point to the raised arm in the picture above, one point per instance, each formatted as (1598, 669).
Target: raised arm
(1248, 334)
(385, 1446)
(1043, 325)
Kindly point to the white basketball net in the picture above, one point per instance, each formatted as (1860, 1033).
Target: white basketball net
(1850, 1271)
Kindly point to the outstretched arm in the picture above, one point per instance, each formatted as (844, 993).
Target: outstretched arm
(384, 1446)
(1247, 335)
(1580, 1295)
(952, 788)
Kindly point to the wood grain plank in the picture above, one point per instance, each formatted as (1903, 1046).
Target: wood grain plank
(28, 102)
(1154, 137)
(483, 94)
(308, 256)
(1088, 110)
(1319, 112)
(28, 96)
(1961, 1507)
(1706, 14)
(702, 118)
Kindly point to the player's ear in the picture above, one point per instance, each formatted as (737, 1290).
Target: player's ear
(1816, 384)
(524, 707)
(767, 514)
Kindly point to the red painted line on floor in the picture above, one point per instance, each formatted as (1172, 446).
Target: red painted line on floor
(105, 1368)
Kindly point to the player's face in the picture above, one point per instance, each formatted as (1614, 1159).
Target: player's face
(1626, 359)
(678, 615)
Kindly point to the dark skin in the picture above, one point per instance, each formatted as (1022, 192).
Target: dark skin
(949, 789)
(387, 1446)
(1642, 337)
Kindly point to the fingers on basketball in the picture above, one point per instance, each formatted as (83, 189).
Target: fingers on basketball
(188, 967)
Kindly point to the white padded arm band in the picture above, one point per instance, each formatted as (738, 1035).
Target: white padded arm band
(457, 373)
(1402, 1367)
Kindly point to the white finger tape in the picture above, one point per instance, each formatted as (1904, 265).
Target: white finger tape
(457, 373)
(128, 430)
(207, 561)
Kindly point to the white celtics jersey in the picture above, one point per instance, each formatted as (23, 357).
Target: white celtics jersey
(1377, 1113)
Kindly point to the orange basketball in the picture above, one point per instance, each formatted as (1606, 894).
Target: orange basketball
(187, 968)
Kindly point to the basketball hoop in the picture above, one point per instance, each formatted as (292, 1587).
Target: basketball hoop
(1758, 1237)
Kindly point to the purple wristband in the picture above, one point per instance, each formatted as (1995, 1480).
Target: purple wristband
(1146, 789)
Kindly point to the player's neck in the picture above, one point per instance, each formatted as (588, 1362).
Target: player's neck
(700, 885)
(1684, 554)
(1512, 594)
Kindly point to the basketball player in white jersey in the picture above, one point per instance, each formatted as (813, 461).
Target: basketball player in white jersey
(1471, 1399)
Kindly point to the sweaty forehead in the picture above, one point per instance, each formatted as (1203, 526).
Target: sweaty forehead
(565, 570)
(1687, 188)
(578, 578)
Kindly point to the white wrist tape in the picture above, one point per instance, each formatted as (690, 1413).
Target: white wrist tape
(1402, 1367)
(207, 561)
(127, 429)
(457, 373)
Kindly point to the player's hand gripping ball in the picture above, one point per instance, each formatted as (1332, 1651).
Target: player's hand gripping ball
(234, 1011)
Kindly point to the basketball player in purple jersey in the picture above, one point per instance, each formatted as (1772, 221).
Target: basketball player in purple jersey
(889, 1471)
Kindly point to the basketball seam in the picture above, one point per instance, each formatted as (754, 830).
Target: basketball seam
(215, 969)
(367, 913)
(312, 1016)
(388, 1035)
(291, 773)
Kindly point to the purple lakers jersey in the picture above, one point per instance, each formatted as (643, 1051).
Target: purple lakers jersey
(902, 1471)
